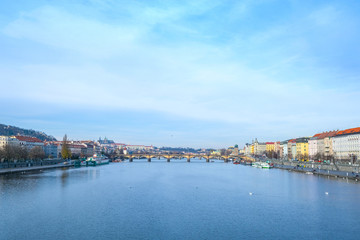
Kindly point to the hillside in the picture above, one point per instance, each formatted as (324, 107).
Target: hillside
(6, 130)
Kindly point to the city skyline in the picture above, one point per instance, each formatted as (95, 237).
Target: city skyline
(190, 75)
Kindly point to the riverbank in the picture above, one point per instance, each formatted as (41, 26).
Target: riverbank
(332, 170)
(34, 168)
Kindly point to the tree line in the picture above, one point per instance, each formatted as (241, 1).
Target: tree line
(10, 153)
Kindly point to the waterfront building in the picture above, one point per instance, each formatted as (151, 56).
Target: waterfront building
(291, 149)
(30, 142)
(302, 148)
(8, 140)
(284, 150)
(259, 148)
(76, 149)
(313, 148)
(277, 149)
(235, 150)
(50, 150)
(252, 149)
(270, 146)
(247, 149)
(324, 145)
(346, 144)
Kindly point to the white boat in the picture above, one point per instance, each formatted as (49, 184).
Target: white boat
(256, 164)
(97, 160)
(261, 165)
(265, 165)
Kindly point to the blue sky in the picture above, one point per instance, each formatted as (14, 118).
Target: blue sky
(180, 73)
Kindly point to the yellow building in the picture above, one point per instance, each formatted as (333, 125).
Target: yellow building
(252, 149)
(270, 146)
(302, 149)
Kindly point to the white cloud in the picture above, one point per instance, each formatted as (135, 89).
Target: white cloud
(118, 67)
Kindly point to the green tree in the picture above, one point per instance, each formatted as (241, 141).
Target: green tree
(65, 151)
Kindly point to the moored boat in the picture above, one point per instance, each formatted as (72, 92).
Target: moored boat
(97, 160)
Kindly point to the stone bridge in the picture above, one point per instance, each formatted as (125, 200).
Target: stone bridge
(169, 156)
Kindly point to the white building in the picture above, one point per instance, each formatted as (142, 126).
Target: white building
(259, 148)
(247, 149)
(346, 144)
(50, 150)
(284, 150)
(313, 146)
(11, 140)
(30, 142)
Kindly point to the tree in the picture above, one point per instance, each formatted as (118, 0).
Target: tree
(65, 151)
(2, 154)
(36, 153)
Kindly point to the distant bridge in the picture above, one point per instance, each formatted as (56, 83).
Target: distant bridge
(188, 157)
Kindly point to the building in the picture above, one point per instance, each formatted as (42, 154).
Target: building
(259, 148)
(235, 150)
(292, 149)
(324, 145)
(284, 150)
(76, 150)
(30, 142)
(313, 146)
(277, 149)
(8, 140)
(50, 150)
(247, 149)
(346, 144)
(302, 149)
(270, 146)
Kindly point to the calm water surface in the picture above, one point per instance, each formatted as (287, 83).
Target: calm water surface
(177, 200)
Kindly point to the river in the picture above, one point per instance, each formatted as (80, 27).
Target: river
(177, 200)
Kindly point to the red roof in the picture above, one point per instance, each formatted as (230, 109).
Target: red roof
(28, 139)
(292, 140)
(76, 146)
(317, 135)
(270, 143)
(349, 131)
(327, 134)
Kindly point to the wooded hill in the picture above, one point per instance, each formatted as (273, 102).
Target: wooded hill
(7, 130)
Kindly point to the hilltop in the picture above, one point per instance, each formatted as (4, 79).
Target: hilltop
(7, 130)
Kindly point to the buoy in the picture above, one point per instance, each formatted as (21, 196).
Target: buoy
(250, 193)
(326, 193)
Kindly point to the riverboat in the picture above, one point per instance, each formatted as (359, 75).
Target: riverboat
(266, 165)
(256, 164)
(262, 165)
(96, 160)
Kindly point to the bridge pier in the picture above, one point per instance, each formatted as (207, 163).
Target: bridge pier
(149, 159)
(188, 159)
(130, 159)
(168, 159)
(207, 159)
(226, 160)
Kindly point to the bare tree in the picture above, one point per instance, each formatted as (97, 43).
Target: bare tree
(2, 154)
(37, 153)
